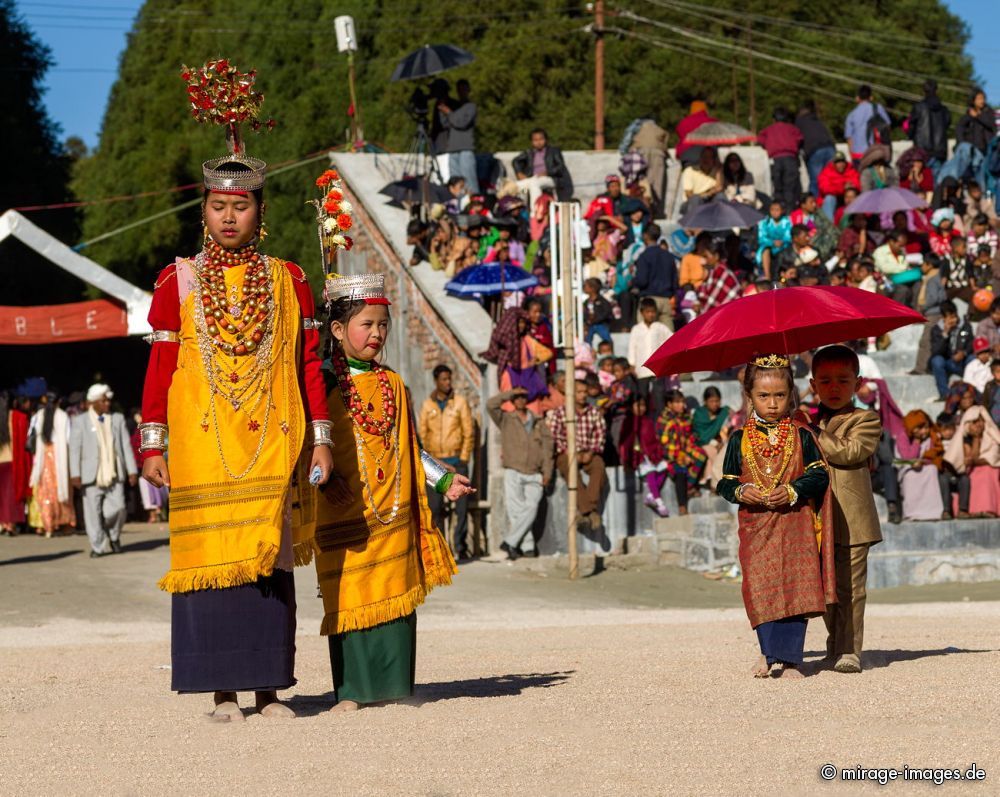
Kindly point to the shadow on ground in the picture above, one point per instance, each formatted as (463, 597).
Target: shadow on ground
(492, 686)
(42, 557)
(145, 545)
(877, 659)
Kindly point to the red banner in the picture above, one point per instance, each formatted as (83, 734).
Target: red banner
(62, 323)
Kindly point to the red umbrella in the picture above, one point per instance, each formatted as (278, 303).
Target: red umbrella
(783, 321)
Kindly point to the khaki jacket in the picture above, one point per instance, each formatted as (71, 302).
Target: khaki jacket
(849, 441)
(526, 452)
(448, 432)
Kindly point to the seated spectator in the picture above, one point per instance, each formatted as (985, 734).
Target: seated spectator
(419, 236)
(982, 234)
(981, 274)
(822, 234)
(443, 239)
(590, 438)
(737, 182)
(833, 180)
(703, 182)
(918, 477)
(978, 372)
(622, 392)
(506, 243)
(597, 312)
(943, 233)
(951, 347)
(917, 177)
(459, 199)
(975, 450)
(782, 141)
(542, 166)
(774, 235)
(838, 277)
(800, 252)
(607, 240)
(861, 274)
(956, 269)
(640, 451)
(464, 250)
(841, 218)
(931, 294)
(975, 203)
(855, 240)
(875, 169)
(890, 261)
(951, 482)
(991, 394)
(656, 275)
(693, 263)
(645, 338)
(721, 285)
(684, 457)
(711, 429)
(949, 194)
(989, 328)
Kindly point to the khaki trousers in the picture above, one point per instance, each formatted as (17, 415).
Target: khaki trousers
(588, 496)
(845, 622)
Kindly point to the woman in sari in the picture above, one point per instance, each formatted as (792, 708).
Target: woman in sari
(918, 477)
(975, 450)
(710, 429)
(50, 473)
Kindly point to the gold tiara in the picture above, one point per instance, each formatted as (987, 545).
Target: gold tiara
(771, 361)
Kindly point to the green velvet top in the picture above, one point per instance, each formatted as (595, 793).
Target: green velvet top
(811, 484)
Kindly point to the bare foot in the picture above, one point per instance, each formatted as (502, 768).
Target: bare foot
(344, 706)
(761, 669)
(788, 671)
(226, 708)
(268, 705)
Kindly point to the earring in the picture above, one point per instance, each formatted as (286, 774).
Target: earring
(261, 231)
(205, 233)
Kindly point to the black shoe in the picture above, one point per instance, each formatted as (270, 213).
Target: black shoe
(895, 516)
(116, 546)
(513, 554)
(95, 555)
(534, 553)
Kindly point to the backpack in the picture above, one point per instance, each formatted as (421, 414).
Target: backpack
(879, 129)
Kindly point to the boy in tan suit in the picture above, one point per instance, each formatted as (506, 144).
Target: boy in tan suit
(848, 438)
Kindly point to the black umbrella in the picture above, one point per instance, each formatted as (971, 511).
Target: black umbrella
(411, 189)
(431, 59)
(721, 215)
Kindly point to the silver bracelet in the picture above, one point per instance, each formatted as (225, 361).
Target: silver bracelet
(434, 471)
(162, 336)
(322, 433)
(152, 437)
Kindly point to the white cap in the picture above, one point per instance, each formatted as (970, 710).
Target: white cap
(94, 392)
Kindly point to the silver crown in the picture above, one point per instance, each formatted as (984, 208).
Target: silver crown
(357, 288)
(221, 179)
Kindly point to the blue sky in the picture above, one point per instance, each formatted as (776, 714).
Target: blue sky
(87, 36)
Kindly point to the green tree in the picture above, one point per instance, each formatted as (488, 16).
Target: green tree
(534, 66)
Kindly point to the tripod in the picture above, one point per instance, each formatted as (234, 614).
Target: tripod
(422, 165)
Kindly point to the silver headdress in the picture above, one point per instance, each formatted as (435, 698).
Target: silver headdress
(367, 288)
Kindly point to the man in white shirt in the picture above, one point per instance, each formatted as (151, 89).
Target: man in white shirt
(978, 372)
(646, 337)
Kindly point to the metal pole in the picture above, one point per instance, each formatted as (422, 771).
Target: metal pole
(599, 75)
(569, 351)
(356, 131)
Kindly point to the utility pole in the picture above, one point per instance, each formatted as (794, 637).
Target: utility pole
(357, 132)
(565, 244)
(599, 74)
(753, 95)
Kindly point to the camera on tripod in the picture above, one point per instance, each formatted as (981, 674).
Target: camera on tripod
(418, 106)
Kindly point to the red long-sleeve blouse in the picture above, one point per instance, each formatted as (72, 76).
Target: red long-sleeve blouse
(165, 314)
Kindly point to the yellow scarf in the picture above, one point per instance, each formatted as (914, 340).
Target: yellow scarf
(231, 469)
(372, 571)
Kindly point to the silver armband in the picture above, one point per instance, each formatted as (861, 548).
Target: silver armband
(322, 433)
(162, 336)
(433, 470)
(311, 323)
(152, 437)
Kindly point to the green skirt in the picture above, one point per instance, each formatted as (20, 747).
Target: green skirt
(375, 664)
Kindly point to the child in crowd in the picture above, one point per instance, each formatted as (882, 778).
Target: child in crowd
(621, 396)
(951, 481)
(605, 348)
(605, 372)
(597, 313)
(685, 458)
(956, 269)
(978, 372)
(848, 437)
(982, 234)
(981, 270)
(645, 338)
(838, 277)
(693, 269)
(640, 451)
(917, 473)
(775, 472)
(774, 235)
(711, 430)
(457, 198)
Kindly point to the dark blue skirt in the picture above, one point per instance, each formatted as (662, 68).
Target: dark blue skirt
(240, 639)
(783, 640)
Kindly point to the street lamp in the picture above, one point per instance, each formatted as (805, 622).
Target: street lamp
(347, 42)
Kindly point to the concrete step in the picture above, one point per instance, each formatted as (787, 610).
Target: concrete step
(942, 535)
(917, 567)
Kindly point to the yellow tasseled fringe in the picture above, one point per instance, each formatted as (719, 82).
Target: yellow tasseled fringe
(373, 614)
(304, 552)
(231, 574)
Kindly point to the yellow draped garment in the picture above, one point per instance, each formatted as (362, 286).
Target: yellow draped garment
(226, 522)
(371, 572)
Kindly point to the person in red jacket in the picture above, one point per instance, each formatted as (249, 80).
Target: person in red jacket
(234, 379)
(782, 140)
(835, 177)
(688, 154)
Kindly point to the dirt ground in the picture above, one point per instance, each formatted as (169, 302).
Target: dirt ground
(621, 683)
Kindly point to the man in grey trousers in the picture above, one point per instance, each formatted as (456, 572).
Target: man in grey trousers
(100, 460)
(526, 449)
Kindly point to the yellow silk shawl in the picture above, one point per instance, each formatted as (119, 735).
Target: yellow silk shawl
(371, 572)
(231, 469)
